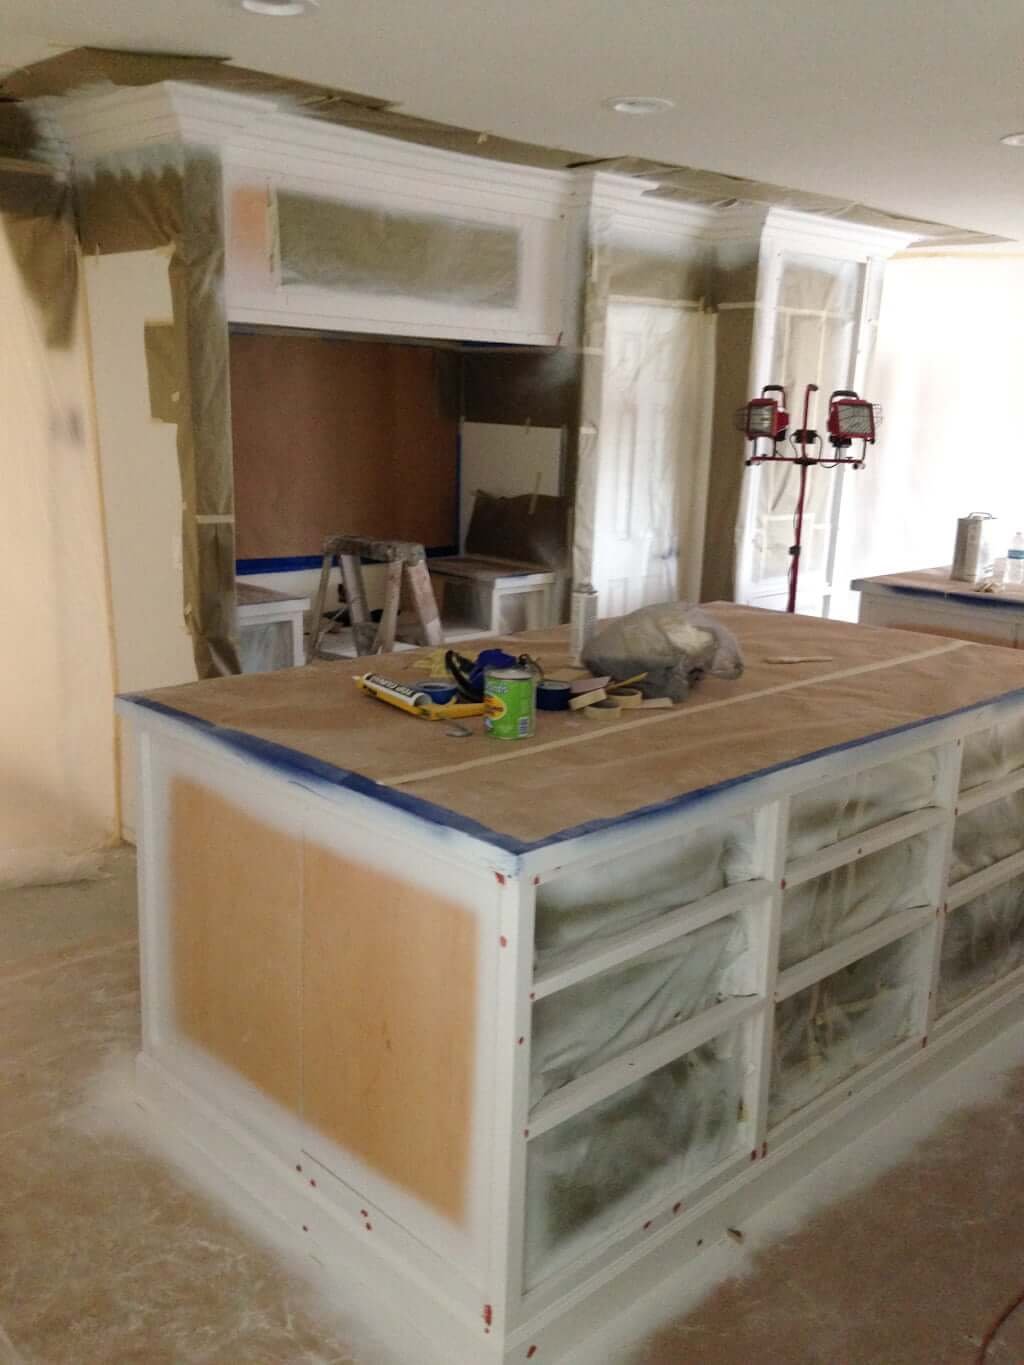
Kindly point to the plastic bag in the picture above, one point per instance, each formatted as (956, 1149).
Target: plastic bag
(674, 643)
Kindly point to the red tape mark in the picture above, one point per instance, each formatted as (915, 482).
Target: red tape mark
(488, 1315)
(531, 1353)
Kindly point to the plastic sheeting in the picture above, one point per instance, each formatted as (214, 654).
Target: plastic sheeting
(849, 899)
(621, 270)
(837, 810)
(590, 903)
(815, 325)
(654, 1136)
(983, 942)
(987, 835)
(597, 1020)
(949, 330)
(174, 197)
(837, 1026)
(57, 777)
(334, 245)
(991, 754)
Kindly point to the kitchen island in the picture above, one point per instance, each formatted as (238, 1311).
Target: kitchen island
(506, 1032)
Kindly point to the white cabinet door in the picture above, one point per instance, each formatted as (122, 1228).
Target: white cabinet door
(652, 455)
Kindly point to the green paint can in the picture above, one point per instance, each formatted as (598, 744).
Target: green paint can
(510, 703)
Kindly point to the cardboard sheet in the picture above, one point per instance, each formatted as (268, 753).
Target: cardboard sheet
(574, 775)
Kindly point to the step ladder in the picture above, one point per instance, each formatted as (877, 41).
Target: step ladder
(370, 637)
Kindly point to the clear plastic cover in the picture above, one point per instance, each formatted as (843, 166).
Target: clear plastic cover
(334, 245)
(987, 835)
(597, 1020)
(983, 941)
(851, 898)
(653, 1138)
(991, 754)
(851, 805)
(831, 1030)
(593, 902)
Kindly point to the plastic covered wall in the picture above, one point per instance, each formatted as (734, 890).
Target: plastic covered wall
(642, 459)
(172, 196)
(334, 245)
(57, 775)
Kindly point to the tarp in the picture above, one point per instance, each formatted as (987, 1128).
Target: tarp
(173, 197)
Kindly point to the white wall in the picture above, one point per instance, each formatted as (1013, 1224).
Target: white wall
(141, 484)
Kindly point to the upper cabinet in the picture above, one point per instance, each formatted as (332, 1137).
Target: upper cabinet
(334, 229)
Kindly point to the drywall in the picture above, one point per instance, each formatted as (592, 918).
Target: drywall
(57, 782)
(341, 436)
(141, 485)
(507, 461)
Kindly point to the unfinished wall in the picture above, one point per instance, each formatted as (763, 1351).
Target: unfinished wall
(57, 780)
(336, 435)
(142, 494)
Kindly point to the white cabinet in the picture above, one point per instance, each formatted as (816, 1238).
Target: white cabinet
(334, 229)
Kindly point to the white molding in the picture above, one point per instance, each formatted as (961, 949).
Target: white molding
(819, 235)
(285, 141)
(627, 199)
(108, 122)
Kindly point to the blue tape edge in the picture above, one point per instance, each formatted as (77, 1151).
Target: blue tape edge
(288, 563)
(295, 763)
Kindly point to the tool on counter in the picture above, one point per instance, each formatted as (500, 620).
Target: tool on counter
(850, 418)
(414, 701)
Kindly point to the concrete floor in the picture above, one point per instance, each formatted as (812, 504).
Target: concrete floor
(108, 1256)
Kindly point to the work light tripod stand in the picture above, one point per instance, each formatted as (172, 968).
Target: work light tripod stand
(766, 419)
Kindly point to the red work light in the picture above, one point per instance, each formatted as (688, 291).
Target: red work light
(764, 416)
(850, 419)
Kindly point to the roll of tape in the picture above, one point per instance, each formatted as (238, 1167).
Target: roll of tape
(603, 710)
(629, 696)
(553, 695)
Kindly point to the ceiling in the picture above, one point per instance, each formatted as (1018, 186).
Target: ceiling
(895, 105)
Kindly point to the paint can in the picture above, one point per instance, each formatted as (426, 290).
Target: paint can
(582, 620)
(553, 695)
(510, 701)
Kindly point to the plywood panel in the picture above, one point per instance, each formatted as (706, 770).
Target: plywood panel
(389, 1007)
(335, 435)
(235, 892)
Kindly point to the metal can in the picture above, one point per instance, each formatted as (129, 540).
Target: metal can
(510, 703)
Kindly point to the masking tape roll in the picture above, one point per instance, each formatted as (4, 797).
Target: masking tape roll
(629, 696)
(609, 709)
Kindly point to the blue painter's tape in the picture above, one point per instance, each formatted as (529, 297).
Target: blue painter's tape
(288, 563)
(295, 764)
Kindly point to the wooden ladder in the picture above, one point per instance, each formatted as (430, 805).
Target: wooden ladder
(399, 556)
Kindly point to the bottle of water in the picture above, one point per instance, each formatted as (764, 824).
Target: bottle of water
(1015, 560)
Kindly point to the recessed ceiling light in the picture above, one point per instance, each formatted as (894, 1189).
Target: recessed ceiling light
(280, 9)
(1013, 140)
(638, 104)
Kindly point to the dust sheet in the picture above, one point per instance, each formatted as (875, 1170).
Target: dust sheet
(575, 774)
